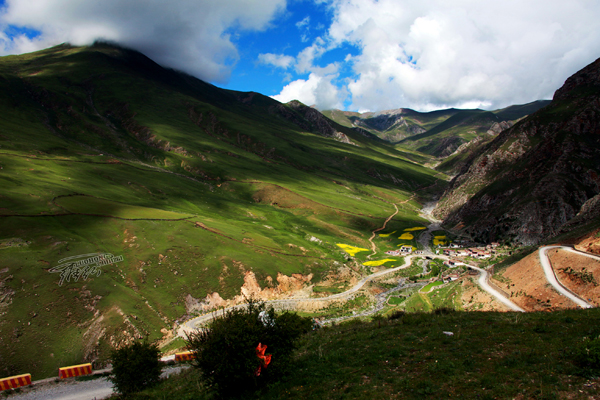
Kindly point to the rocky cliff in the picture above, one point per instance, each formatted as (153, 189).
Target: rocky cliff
(536, 178)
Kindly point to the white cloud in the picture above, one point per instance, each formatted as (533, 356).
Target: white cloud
(305, 59)
(190, 35)
(468, 53)
(304, 23)
(276, 60)
(437, 53)
(317, 90)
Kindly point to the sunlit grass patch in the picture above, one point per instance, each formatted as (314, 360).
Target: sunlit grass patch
(416, 228)
(384, 235)
(431, 286)
(407, 236)
(377, 263)
(352, 250)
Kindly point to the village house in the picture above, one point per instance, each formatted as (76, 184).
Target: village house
(406, 249)
(451, 277)
(454, 263)
(472, 252)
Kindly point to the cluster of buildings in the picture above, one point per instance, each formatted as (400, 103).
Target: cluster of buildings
(475, 252)
(402, 251)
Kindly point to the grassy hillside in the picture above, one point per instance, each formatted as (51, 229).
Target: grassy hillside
(488, 356)
(103, 151)
(437, 133)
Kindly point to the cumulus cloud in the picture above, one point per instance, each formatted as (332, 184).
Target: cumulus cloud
(319, 89)
(276, 60)
(316, 90)
(303, 23)
(439, 53)
(190, 35)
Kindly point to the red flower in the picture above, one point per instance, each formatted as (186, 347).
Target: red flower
(265, 359)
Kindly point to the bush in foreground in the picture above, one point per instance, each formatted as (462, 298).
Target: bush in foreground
(228, 352)
(135, 367)
(587, 356)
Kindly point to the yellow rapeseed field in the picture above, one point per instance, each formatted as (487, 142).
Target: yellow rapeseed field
(416, 228)
(352, 250)
(386, 234)
(437, 240)
(406, 236)
(377, 263)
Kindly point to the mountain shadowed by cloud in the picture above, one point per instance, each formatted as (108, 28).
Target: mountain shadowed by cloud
(365, 55)
(190, 35)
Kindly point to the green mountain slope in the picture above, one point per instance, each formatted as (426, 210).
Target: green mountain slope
(438, 133)
(204, 193)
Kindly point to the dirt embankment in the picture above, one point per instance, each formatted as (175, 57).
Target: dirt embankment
(528, 288)
(590, 243)
(578, 273)
(475, 299)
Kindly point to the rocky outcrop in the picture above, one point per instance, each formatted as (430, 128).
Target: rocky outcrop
(535, 177)
(286, 286)
(498, 127)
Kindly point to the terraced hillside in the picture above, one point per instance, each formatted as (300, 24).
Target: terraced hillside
(192, 192)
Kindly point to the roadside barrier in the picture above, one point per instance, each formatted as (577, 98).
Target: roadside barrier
(185, 356)
(75, 370)
(16, 381)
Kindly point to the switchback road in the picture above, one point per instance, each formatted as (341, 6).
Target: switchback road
(551, 276)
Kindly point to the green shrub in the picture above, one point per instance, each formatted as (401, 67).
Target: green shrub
(443, 310)
(587, 355)
(135, 367)
(226, 350)
(398, 314)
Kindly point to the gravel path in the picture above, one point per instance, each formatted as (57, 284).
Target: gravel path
(483, 282)
(379, 303)
(97, 389)
(72, 389)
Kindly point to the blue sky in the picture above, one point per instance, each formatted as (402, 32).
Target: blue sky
(359, 55)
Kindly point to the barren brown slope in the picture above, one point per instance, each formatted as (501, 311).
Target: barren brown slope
(528, 287)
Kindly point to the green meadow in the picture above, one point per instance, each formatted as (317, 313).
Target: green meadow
(103, 151)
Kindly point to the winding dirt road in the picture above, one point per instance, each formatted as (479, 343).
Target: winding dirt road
(289, 304)
(551, 276)
(373, 247)
(192, 324)
(483, 282)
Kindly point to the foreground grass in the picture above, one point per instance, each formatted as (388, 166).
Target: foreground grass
(489, 355)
